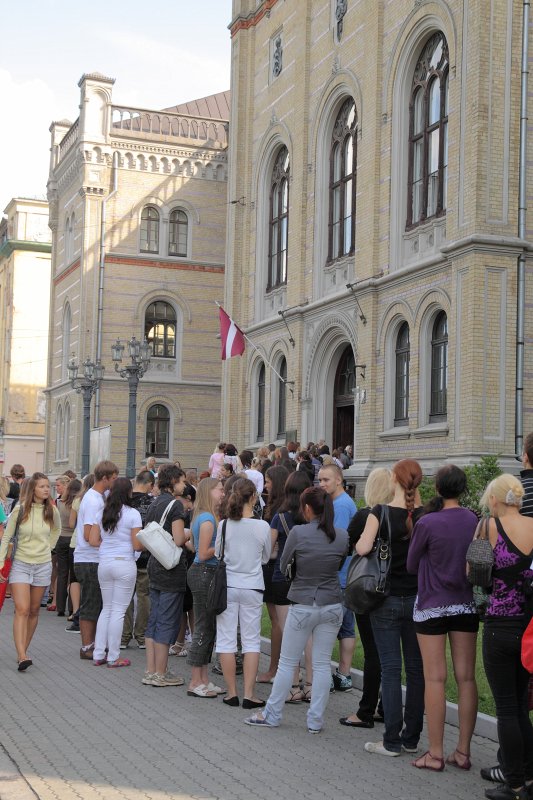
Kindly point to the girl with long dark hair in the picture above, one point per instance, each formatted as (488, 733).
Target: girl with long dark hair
(65, 561)
(39, 526)
(116, 537)
(318, 550)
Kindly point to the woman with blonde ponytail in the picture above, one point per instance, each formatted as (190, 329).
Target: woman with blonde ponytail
(392, 622)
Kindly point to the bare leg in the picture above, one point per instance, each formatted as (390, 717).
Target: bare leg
(160, 657)
(346, 651)
(74, 591)
(227, 662)
(87, 631)
(463, 647)
(433, 650)
(36, 595)
(150, 656)
(20, 593)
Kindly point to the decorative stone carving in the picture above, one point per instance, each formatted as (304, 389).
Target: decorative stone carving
(340, 11)
(277, 57)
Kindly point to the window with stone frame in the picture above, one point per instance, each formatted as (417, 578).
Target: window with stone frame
(150, 230)
(278, 221)
(178, 233)
(157, 431)
(401, 387)
(428, 133)
(160, 329)
(342, 182)
(282, 398)
(439, 369)
(261, 385)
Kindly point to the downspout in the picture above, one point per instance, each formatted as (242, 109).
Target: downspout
(99, 320)
(522, 214)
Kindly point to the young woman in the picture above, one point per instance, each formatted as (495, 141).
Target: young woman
(318, 549)
(200, 574)
(247, 547)
(39, 526)
(116, 537)
(378, 489)
(511, 537)
(445, 608)
(74, 587)
(392, 622)
(275, 479)
(217, 460)
(65, 565)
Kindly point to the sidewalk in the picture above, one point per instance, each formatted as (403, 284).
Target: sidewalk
(77, 731)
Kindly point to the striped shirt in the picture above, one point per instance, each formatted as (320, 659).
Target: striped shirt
(526, 476)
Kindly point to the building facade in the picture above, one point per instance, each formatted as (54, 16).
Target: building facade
(372, 259)
(138, 215)
(25, 247)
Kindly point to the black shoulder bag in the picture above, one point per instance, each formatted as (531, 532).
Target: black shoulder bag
(217, 592)
(367, 581)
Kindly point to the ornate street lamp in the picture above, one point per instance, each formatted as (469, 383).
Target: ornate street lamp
(86, 385)
(140, 354)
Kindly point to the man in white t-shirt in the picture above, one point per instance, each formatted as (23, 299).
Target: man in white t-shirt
(86, 557)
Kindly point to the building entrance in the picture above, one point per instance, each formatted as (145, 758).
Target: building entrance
(343, 403)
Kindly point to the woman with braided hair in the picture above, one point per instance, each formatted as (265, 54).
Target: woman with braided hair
(392, 621)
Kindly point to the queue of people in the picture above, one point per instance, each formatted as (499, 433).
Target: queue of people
(287, 530)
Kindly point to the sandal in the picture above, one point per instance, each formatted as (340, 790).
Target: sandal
(52, 607)
(452, 760)
(202, 691)
(424, 765)
(296, 695)
(306, 693)
(120, 662)
(178, 650)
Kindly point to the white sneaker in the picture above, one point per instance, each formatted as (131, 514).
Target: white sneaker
(168, 679)
(379, 749)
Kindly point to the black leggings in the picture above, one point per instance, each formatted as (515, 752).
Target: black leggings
(508, 682)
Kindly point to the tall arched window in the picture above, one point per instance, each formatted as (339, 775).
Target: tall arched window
(261, 403)
(401, 389)
(439, 369)
(342, 182)
(282, 398)
(65, 339)
(160, 329)
(66, 432)
(59, 433)
(158, 431)
(428, 133)
(150, 230)
(279, 221)
(178, 229)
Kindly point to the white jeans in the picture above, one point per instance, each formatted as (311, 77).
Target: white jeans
(244, 608)
(117, 582)
(323, 623)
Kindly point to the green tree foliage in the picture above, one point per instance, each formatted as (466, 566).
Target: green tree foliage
(478, 476)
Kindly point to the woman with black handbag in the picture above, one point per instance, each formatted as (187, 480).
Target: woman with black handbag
(392, 621)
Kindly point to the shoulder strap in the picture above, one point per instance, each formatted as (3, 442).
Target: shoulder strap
(482, 530)
(166, 513)
(223, 540)
(384, 525)
(284, 523)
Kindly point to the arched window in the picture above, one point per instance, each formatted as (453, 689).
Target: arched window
(66, 432)
(158, 431)
(150, 230)
(282, 398)
(261, 403)
(178, 229)
(439, 369)
(59, 433)
(342, 180)
(160, 329)
(65, 339)
(67, 241)
(278, 221)
(428, 133)
(401, 389)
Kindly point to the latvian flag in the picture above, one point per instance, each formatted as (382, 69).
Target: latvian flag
(232, 336)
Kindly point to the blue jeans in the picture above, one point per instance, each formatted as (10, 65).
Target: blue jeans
(322, 622)
(394, 632)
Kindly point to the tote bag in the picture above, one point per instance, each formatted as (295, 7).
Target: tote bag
(217, 592)
(160, 543)
(367, 582)
(480, 556)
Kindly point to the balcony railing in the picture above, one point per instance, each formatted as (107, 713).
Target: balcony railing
(165, 124)
(68, 139)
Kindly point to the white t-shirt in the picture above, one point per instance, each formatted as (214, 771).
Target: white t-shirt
(248, 546)
(257, 479)
(90, 513)
(118, 543)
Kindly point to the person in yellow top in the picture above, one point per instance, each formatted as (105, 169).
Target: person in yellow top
(38, 530)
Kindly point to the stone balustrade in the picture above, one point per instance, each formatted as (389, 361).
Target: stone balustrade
(165, 124)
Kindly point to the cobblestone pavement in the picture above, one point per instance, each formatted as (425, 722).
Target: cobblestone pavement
(70, 730)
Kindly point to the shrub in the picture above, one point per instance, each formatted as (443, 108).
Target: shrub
(478, 476)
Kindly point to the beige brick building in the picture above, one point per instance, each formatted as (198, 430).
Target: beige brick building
(25, 247)
(375, 149)
(138, 215)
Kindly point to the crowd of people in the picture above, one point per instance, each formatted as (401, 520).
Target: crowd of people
(287, 529)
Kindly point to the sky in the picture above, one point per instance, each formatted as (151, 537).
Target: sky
(178, 53)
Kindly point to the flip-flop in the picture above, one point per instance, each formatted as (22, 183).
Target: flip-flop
(120, 662)
(24, 664)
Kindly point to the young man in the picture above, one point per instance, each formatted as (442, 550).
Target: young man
(17, 474)
(86, 557)
(330, 479)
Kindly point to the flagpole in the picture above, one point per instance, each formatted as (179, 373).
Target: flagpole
(283, 380)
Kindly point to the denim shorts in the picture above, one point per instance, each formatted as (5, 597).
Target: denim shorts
(347, 629)
(164, 621)
(34, 574)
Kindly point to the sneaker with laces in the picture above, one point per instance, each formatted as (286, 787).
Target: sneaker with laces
(73, 628)
(505, 792)
(341, 683)
(494, 774)
(168, 679)
(407, 749)
(147, 678)
(379, 749)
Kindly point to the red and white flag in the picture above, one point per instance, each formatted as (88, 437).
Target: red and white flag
(231, 335)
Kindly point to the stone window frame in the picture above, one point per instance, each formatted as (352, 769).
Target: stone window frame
(146, 226)
(279, 220)
(438, 400)
(67, 416)
(166, 322)
(259, 415)
(59, 433)
(168, 454)
(66, 330)
(179, 210)
(343, 132)
(402, 353)
(425, 335)
(279, 401)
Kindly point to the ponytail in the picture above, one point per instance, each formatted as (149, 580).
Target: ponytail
(242, 492)
(321, 505)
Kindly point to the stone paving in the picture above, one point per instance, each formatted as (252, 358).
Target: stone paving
(71, 730)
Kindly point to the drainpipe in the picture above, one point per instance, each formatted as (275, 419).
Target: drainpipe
(99, 321)
(522, 213)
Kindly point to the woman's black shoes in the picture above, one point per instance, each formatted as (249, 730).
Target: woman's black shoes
(359, 724)
(233, 701)
(253, 703)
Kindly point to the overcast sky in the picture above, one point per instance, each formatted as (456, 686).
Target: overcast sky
(159, 54)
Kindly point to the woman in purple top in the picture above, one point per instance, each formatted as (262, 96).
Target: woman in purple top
(444, 607)
(508, 613)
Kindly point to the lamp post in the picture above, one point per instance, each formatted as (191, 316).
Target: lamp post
(86, 385)
(140, 354)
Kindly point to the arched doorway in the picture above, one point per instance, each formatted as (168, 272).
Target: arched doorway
(343, 401)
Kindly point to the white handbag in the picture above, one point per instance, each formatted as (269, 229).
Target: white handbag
(159, 542)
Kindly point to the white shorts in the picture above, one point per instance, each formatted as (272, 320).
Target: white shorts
(244, 607)
(34, 574)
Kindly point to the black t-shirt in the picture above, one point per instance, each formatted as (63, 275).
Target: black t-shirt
(167, 580)
(401, 583)
(14, 491)
(142, 502)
